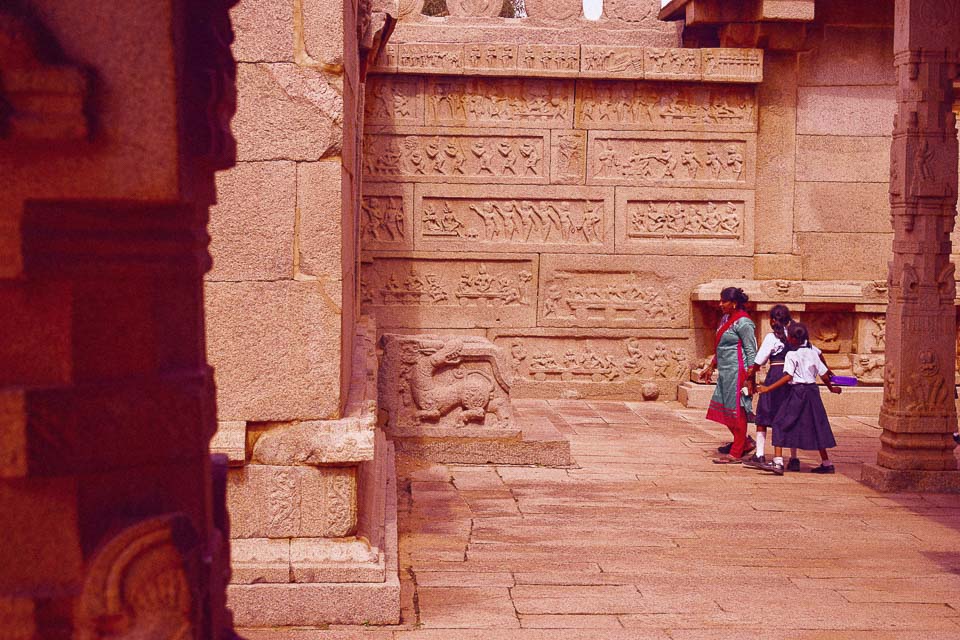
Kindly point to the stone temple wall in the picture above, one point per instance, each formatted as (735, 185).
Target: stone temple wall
(567, 199)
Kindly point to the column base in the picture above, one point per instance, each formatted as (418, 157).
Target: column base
(909, 481)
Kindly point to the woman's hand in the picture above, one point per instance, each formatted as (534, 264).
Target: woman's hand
(706, 373)
(762, 388)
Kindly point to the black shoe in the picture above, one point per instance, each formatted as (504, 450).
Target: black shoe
(773, 467)
(725, 448)
(793, 464)
(823, 469)
(755, 462)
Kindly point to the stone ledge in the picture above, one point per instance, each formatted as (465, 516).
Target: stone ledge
(898, 481)
(573, 61)
(856, 401)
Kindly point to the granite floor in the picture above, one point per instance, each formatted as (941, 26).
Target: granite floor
(645, 538)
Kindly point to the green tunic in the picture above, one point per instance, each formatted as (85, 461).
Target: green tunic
(736, 351)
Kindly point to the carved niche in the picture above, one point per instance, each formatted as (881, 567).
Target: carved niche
(443, 381)
(474, 8)
(42, 96)
(137, 584)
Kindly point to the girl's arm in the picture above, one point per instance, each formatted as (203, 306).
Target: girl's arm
(776, 385)
(828, 375)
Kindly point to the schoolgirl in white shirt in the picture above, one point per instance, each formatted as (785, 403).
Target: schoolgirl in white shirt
(801, 421)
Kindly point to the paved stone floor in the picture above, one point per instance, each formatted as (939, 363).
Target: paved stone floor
(646, 538)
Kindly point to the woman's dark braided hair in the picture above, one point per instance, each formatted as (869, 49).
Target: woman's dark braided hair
(736, 295)
(780, 315)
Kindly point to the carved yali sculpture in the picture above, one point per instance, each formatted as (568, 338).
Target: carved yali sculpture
(443, 381)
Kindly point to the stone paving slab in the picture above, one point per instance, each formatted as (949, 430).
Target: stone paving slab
(645, 538)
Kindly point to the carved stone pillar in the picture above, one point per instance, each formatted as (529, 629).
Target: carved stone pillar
(918, 414)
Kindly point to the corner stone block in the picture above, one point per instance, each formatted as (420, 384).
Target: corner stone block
(323, 31)
(231, 441)
(289, 502)
(319, 202)
(251, 226)
(276, 99)
(257, 560)
(341, 560)
(264, 31)
(275, 347)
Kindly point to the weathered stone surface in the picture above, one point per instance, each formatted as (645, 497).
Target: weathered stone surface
(489, 58)
(600, 61)
(259, 560)
(778, 266)
(864, 255)
(672, 64)
(457, 156)
(519, 219)
(264, 31)
(843, 159)
(386, 216)
(275, 99)
(568, 159)
(548, 60)
(231, 441)
(323, 31)
(316, 443)
(443, 381)
(733, 65)
(416, 290)
(670, 160)
(845, 111)
(685, 221)
(320, 222)
(292, 502)
(625, 291)
(296, 604)
(866, 207)
(294, 335)
(315, 560)
(665, 106)
(850, 56)
(259, 246)
(424, 58)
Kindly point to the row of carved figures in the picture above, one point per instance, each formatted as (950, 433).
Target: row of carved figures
(686, 219)
(718, 165)
(519, 221)
(446, 157)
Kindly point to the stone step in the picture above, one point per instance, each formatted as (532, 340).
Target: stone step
(858, 401)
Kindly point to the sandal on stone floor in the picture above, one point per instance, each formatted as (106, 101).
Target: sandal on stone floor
(727, 459)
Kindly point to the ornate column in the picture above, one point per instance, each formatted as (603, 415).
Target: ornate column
(918, 414)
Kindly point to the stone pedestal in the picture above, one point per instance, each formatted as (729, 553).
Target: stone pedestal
(447, 399)
(918, 414)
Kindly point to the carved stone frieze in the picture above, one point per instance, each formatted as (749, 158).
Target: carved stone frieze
(642, 291)
(666, 106)
(868, 368)
(482, 102)
(432, 57)
(601, 61)
(474, 8)
(548, 59)
(457, 156)
(732, 65)
(388, 60)
(630, 159)
(672, 64)
(476, 291)
(568, 162)
(386, 216)
(446, 382)
(553, 10)
(698, 221)
(480, 58)
(394, 100)
(521, 219)
(600, 363)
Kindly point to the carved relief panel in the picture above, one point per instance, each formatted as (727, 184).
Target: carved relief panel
(456, 156)
(644, 292)
(660, 160)
(666, 106)
(871, 333)
(602, 61)
(491, 102)
(685, 221)
(672, 63)
(480, 58)
(394, 100)
(604, 363)
(733, 65)
(414, 290)
(568, 162)
(426, 58)
(522, 219)
(386, 216)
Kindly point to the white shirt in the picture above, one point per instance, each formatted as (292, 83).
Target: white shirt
(770, 346)
(804, 365)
